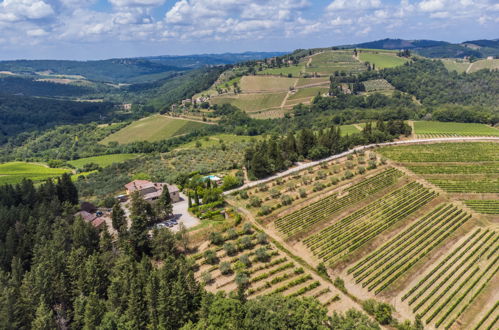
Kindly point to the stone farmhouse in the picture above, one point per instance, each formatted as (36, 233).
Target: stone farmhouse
(151, 191)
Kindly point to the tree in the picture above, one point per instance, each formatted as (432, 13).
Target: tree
(118, 219)
(44, 318)
(164, 203)
(66, 190)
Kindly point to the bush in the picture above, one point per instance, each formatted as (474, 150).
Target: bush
(340, 284)
(255, 201)
(321, 269)
(382, 312)
(348, 175)
(372, 165)
(319, 186)
(262, 238)
(245, 260)
(321, 175)
(286, 200)
(210, 257)
(225, 268)
(230, 249)
(245, 243)
(334, 181)
(243, 194)
(349, 165)
(302, 192)
(247, 229)
(216, 238)
(274, 193)
(362, 170)
(232, 234)
(262, 255)
(242, 279)
(265, 210)
(206, 278)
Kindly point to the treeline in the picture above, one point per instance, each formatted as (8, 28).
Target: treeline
(32, 87)
(22, 114)
(269, 156)
(59, 272)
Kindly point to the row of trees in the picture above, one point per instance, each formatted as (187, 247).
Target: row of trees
(278, 153)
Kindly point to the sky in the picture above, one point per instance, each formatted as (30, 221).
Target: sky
(99, 29)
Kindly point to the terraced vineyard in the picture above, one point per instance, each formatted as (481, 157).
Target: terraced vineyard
(447, 290)
(266, 269)
(381, 268)
(484, 206)
(322, 210)
(327, 62)
(355, 230)
(377, 85)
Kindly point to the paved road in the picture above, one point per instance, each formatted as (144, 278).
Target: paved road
(343, 154)
(181, 213)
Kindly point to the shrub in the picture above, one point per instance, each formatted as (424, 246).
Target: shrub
(265, 210)
(321, 175)
(348, 175)
(372, 156)
(349, 165)
(242, 279)
(262, 187)
(225, 268)
(262, 255)
(232, 234)
(340, 284)
(210, 257)
(243, 194)
(286, 200)
(334, 181)
(206, 278)
(245, 260)
(245, 243)
(362, 170)
(247, 229)
(321, 269)
(372, 165)
(362, 160)
(275, 193)
(319, 186)
(216, 238)
(350, 157)
(255, 201)
(262, 238)
(382, 312)
(302, 192)
(230, 249)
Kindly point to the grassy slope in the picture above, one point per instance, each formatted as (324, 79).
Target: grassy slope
(252, 102)
(485, 64)
(14, 172)
(102, 161)
(453, 65)
(153, 128)
(382, 60)
(259, 83)
(308, 92)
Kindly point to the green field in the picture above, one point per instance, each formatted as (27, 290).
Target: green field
(217, 140)
(455, 65)
(382, 60)
(102, 161)
(308, 93)
(153, 128)
(295, 71)
(376, 85)
(252, 102)
(448, 129)
(330, 61)
(444, 152)
(272, 84)
(309, 81)
(348, 129)
(484, 64)
(14, 172)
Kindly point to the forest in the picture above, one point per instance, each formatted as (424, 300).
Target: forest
(58, 271)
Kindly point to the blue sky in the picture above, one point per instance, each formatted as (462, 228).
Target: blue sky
(96, 29)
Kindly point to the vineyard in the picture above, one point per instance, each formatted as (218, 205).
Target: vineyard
(389, 262)
(484, 206)
(465, 185)
(377, 85)
(446, 291)
(323, 209)
(433, 129)
(350, 233)
(243, 256)
(284, 193)
(326, 63)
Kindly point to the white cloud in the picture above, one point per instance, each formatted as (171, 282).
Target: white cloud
(36, 33)
(353, 4)
(132, 3)
(431, 5)
(25, 9)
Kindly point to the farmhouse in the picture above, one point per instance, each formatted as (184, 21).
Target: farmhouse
(151, 191)
(86, 216)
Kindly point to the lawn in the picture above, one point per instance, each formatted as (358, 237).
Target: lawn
(382, 60)
(435, 128)
(252, 102)
(262, 83)
(153, 128)
(102, 161)
(14, 172)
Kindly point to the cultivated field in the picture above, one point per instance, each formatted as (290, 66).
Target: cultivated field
(459, 66)
(15, 172)
(349, 129)
(252, 102)
(153, 128)
(244, 255)
(418, 230)
(382, 60)
(376, 85)
(327, 62)
(270, 84)
(432, 129)
(102, 161)
(484, 64)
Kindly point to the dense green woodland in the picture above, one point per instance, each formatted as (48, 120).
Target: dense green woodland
(56, 271)
(31, 87)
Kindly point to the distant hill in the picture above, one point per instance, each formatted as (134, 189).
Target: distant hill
(127, 70)
(433, 48)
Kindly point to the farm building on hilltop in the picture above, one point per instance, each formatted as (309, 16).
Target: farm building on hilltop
(151, 191)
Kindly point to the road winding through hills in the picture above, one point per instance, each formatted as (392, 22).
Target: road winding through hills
(303, 166)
